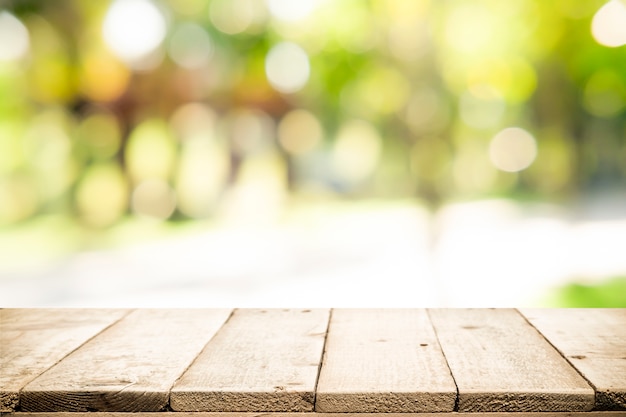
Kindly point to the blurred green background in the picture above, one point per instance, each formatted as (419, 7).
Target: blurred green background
(140, 118)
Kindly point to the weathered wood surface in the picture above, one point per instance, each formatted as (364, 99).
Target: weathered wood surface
(383, 361)
(501, 363)
(261, 360)
(130, 366)
(594, 341)
(151, 360)
(33, 340)
(280, 414)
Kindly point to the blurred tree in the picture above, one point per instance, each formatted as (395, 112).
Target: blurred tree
(394, 98)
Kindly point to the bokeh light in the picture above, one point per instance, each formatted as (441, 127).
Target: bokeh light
(100, 134)
(153, 198)
(124, 117)
(291, 10)
(251, 131)
(102, 195)
(199, 93)
(299, 132)
(609, 24)
(470, 27)
(236, 16)
(482, 108)
(356, 152)
(512, 149)
(99, 65)
(605, 94)
(190, 46)
(14, 35)
(150, 152)
(287, 67)
(134, 29)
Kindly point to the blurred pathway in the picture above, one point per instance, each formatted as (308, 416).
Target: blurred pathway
(488, 253)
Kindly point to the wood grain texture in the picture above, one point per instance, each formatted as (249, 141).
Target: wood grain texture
(278, 414)
(261, 360)
(33, 340)
(501, 363)
(383, 361)
(130, 366)
(594, 341)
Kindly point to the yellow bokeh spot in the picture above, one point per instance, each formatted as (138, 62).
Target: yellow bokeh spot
(102, 195)
(299, 132)
(153, 198)
(469, 28)
(12, 155)
(514, 78)
(381, 90)
(51, 75)
(356, 153)
(101, 134)
(151, 151)
(103, 77)
(48, 149)
(19, 199)
(202, 174)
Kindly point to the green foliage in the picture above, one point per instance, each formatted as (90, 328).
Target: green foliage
(434, 81)
(610, 293)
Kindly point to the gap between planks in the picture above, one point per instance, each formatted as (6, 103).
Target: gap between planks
(523, 313)
(280, 414)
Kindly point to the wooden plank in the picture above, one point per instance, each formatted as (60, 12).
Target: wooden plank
(383, 361)
(129, 367)
(32, 340)
(594, 341)
(278, 414)
(261, 360)
(501, 363)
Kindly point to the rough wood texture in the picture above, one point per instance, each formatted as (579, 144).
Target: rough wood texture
(383, 361)
(261, 360)
(594, 341)
(131, 366)
(212, 414)
(31, 341)
(501, 363)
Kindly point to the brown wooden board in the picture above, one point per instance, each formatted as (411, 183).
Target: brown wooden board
(32, 340)
(501, 363)
(261, 360)
(130, 366)
(215, 414)
(594, 341)
(383, 361)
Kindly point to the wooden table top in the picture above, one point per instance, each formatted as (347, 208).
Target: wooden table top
(314, 361)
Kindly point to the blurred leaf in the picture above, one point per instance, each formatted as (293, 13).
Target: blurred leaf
(609, 294)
